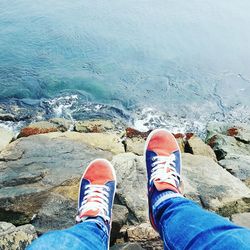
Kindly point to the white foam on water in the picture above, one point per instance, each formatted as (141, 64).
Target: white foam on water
(14, 127)
(149, 118)
(62, 106)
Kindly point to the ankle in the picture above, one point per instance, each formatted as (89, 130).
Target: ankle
(160, 198)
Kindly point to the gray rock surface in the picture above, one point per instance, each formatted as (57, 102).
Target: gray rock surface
(119, 218)
(242, 219)
(131, 185)
(213, 187)
(39, 178)
(6, 137)
(62, 124)
(16, 238)
(105, 141)
(94, 126)
(135, 145)
(232, 146)
(145, 235)
(237, 165)
(127, 246)
(198, 147)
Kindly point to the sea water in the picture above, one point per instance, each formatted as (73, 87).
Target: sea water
(151, 63)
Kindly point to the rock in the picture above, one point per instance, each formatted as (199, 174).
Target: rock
(182, 140)
(243, 133)
(131, 185)
(119, 218)
(240, 132)
(133, 133)
(134, 140)
(127, 246)
(5, 226)
(7, 117)
(13, 112)
(232, 147)
(142, 232)
(16, 238)
(145, 235)
(94, 126)
(105, 141)
(38, 180)
(38, 128)
(224, 146)
(204, 181)
(6, 136)
(198, 147)
(242, 219)
(62, 124)
(237, 165)
(213, 187)
(135, 145)
(181, 144)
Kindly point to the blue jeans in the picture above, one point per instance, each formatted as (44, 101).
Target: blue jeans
(182, 225)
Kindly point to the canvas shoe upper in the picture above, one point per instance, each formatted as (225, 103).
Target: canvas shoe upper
(96, 192)
(163, 162)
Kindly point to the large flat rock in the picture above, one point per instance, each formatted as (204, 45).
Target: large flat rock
(131, 185)
(39, 179)
(104, 141)
(213, 187)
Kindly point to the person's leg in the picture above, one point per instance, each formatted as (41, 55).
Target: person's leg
(90, 234)
(95, 201)
(181, 223)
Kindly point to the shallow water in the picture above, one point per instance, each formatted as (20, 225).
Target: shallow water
(160, 59)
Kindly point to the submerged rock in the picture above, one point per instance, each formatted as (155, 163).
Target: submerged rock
(7, 117)
(16, 238)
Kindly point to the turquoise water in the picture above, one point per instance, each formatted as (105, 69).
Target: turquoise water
(188, 59)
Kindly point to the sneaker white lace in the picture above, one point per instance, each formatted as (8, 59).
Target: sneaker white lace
(96, 199)
(163, 170)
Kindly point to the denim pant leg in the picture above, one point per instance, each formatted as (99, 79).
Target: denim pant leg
(90, 234)
(185, 225)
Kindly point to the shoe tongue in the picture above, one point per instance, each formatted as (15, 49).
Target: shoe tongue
(170, 185)
(89, 213)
